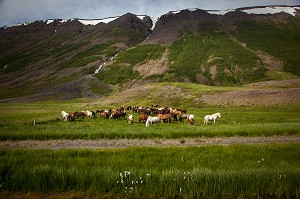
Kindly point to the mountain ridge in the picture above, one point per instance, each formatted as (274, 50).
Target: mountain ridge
(232, 48)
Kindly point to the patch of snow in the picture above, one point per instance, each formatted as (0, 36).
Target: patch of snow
(50, 21)
(89, 21)
(272, 10)
(174, 12)
(96, 21)
(64, 20)
(154, 20)
(219, 12)
(141, 17)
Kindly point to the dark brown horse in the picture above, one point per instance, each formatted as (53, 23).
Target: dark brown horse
(79, 114)
(117, 114)
(71, 117)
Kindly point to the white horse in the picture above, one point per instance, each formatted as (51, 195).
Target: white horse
(64, 115)
(130, 119)
(151, 120)
(211, 117)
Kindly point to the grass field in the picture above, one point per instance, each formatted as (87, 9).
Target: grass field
(235, 171)
(41, 121)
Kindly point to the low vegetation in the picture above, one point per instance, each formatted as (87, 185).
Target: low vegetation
(121, 70)
(261, 36)
(195, 55)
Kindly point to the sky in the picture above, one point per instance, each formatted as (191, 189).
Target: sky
(21, 11)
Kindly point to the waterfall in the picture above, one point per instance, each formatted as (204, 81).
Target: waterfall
(99, 68)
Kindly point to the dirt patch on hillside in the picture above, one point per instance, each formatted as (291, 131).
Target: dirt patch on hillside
(262, 93)
(271, 62)
(124, 143)
(254, 97)
(154, 67)
(291, 83)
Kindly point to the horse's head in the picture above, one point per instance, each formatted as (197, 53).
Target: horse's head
(219, 114)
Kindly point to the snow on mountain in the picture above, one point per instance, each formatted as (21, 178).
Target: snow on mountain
(219, 12)
(272, 10)
(292, 10)
(96, 21)
(255, 10)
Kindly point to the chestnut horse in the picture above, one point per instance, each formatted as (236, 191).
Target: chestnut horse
(165, 117)
(143, 117)
(71, 117)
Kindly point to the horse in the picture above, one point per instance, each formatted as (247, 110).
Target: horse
(64, 115)
(143, 117)
(130, 119)
(89, 114)
(164, 117)
(191, 119)
(211, 117)
(71, 117)
(152, 120)
(102, 113)
(182, 117)
(79, 114)
(117, 114)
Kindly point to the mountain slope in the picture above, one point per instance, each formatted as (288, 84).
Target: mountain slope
(57, 59)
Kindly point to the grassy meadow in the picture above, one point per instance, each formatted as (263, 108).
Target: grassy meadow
(42, 121)
(231, 171)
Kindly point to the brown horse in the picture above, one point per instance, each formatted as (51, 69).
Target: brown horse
(102, 113)
(143, 117)
(164, 117)
(71, 117)
(79, 114)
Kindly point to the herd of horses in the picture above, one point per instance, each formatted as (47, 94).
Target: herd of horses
(148, 115)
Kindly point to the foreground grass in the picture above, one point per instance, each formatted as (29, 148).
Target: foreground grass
(266, 170)
(42, 122)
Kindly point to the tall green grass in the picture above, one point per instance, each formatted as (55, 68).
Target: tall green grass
(266, 170)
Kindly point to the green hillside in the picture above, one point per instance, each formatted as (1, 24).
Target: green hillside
(121, 70)
(194, 55)
(280, 39)
(190, 46)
